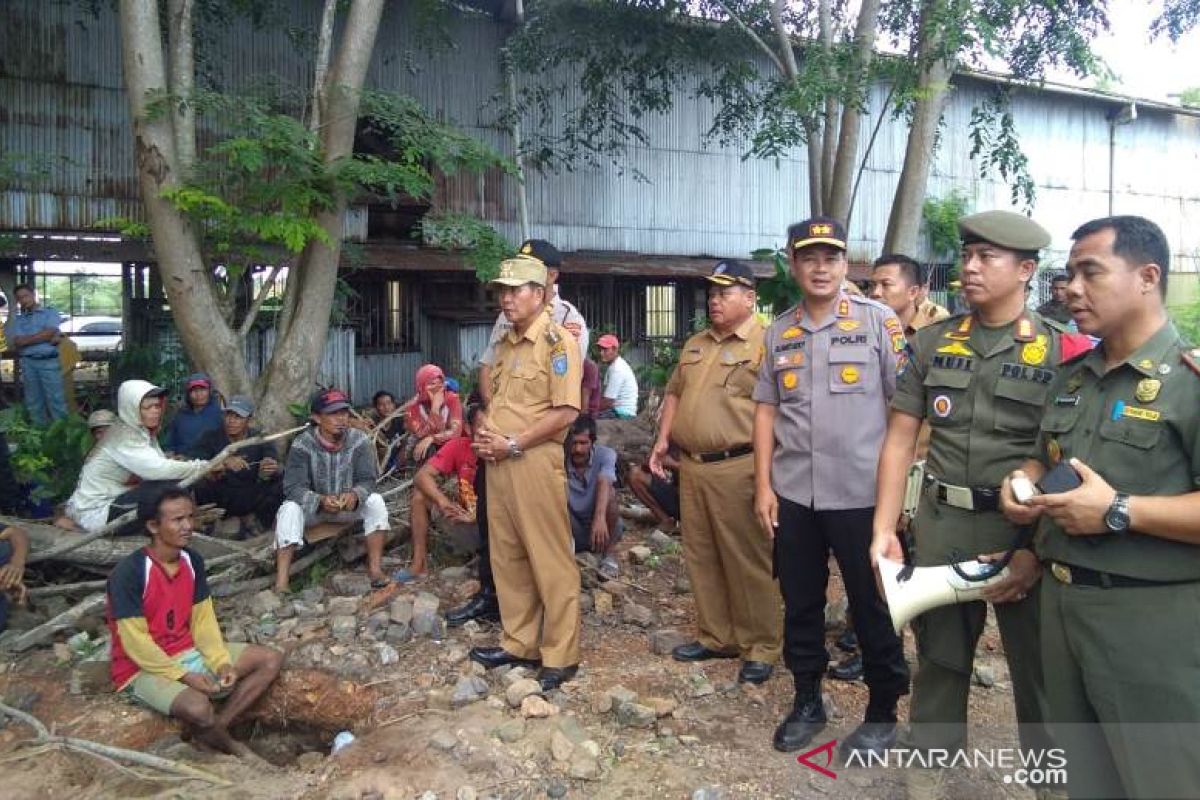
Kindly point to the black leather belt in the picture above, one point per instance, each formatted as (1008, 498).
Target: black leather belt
(968, 498)
(1082, 576)
(721, 455)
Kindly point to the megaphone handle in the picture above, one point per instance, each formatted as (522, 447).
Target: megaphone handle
(1022, 539)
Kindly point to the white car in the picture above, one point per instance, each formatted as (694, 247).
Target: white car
(94, 333)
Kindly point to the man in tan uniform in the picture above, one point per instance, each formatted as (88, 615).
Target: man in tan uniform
(708, 412)
(536, 378)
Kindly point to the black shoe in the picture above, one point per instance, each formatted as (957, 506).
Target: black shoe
(553, 677)
(867, 738)
(754, 672)
(480, 606)
(694, 651)
(806, 720)
(848, 641)
(850, 669)
(492, 657)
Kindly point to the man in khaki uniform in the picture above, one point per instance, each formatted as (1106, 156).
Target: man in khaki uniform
(535, 393)
(899, 282)
(981, 381)
(1119, 630)
(709, 413)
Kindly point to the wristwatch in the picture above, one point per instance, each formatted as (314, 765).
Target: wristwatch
(1116, 519)
(514, 450)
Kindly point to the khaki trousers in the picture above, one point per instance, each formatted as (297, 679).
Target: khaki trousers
(738, 606)
(537, 579)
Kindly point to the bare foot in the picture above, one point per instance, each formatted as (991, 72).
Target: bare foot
(66, 523)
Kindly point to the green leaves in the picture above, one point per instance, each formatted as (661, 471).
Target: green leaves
(941, 218)
(484, 248)
(995, 145)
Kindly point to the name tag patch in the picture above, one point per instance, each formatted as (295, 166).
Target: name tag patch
(953, 362)
(1026, 373)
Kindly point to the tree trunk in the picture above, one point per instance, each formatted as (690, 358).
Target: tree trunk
(841, 180)
(185, 276)
(933, 86)
(904, 223)
(305, 324)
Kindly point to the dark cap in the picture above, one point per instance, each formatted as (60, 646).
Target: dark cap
(729, 273)
(241, 405)
(1056, 277)
(197, 379)
(1005, 229)
(818, 230)
(543, 251)
(328, 401)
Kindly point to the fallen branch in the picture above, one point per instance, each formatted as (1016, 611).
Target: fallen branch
(130, 516)
(104, 752)
(266, 581)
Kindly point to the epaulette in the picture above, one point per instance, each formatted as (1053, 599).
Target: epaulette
(1055, 325)
(863, 300)
(1191, 359)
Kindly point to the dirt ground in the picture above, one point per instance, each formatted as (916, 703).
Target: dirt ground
(692, 731)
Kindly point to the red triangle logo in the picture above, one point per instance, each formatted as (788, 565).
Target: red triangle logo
(827, 749)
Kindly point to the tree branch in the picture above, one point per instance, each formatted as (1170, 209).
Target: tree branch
(103, 751)
(324, 50)
(754, 37)
(263, 292)
(792, 69)
(181, 69)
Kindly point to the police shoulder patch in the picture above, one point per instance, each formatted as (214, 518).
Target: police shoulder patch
(558, 363)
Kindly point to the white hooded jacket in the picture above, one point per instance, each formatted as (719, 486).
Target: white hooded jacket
(128, 451)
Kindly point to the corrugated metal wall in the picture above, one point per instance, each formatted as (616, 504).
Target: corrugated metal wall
(60, 80)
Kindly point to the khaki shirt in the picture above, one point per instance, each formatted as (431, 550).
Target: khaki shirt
(928, 313)
(1138, 426)
(713, 381)
(831, 381)
(983, 405)
(534, 373)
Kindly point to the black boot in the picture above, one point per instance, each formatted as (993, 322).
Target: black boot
(482, 606)
(806, 720)
(877, 733)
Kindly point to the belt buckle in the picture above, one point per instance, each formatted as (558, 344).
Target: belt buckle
(959, 496)
(1062, 572)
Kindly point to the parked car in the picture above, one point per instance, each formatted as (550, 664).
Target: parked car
(92, 334)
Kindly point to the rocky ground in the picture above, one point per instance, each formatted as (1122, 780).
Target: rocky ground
(633, 724)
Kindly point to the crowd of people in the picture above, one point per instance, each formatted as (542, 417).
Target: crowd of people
(778, 445)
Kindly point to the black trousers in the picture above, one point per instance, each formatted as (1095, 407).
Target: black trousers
(9, 493)
(802, 545)
(487, 583)
(262, 498)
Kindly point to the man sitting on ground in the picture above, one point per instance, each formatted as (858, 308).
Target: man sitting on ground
(619, 400)
(249, 484)
(14, 549)
(455, 458)
(167, 649)
(592, 495)
(661, 497)
(330, 477)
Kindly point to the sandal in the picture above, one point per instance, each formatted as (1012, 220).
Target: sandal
(380, 583)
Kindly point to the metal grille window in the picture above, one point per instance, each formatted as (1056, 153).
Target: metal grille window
(660, 311)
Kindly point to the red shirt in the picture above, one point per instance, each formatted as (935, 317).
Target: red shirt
(456, 457)
(140, 587)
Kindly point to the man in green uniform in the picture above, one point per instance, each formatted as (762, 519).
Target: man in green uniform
(1119, 633)
(981, 381)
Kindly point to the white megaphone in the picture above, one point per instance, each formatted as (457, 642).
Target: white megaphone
(930, 587)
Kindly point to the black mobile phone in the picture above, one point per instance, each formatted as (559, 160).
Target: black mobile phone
(1063, 478)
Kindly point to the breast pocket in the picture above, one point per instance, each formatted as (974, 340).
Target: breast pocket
(850, 370)
(530, 385)
(1019, 405)
(946, 398)
(1128, 444)
(739, 378)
